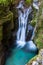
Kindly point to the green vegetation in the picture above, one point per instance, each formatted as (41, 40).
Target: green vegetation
(33, 22)
(39, 36)
(6, 15)
(39, 33)
(4, 20)
(5, 2)
(28, 2)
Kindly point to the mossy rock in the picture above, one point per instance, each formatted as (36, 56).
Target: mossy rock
(4, 6)
(5, 2)
(7, 23)
(39, 35)
(33, 22)
(39, 39)
(39, 43)
(28, 2)
(15, 2)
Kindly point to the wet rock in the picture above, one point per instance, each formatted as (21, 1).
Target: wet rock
(29, 32)
(30, 17)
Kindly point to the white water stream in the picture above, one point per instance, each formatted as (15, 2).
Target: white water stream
(23, 17)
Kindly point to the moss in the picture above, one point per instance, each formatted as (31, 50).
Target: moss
(8, 21)
(4, 6)
(28, 2)
(39, 39)
(39, 43)
(39, 34)
(5, 2)
(33, 22)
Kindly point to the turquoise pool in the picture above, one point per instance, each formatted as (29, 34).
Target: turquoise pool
(19, 57)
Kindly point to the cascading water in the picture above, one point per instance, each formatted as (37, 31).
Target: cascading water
(21, 34)
(23, 17)
(19, 55)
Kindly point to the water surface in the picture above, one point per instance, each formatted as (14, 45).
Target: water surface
(19, 57)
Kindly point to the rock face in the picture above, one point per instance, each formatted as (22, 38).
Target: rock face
(6, 25)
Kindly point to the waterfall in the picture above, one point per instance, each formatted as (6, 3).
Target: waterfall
(25, 49)
(23, 17)
(21, 33)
